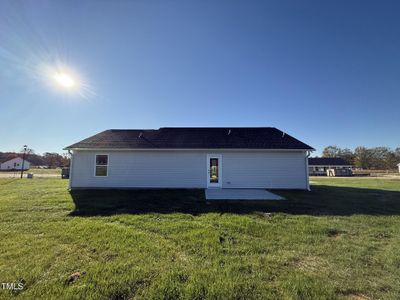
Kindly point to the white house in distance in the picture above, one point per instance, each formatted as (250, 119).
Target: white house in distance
(190, 158)
(398, 166)
(319, 166)
(14, 164)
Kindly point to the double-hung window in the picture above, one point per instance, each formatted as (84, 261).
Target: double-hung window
(101, 168)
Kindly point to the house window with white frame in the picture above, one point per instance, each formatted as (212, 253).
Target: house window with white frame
(101, 168)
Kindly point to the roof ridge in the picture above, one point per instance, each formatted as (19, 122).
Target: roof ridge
(217, 127)
(121, 129)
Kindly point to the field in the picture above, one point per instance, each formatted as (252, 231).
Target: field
(341, 240)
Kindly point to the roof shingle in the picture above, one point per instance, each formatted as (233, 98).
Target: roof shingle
(192, 138)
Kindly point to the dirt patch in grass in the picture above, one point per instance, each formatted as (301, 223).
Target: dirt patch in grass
(312, 264)
(74, 277)
(334, 233)
(357, 297)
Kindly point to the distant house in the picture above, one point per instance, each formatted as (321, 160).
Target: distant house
(318, 166)
(233, 158)
(398, 166)
(14, 164)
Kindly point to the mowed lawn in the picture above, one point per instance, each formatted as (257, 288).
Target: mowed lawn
(341, 240)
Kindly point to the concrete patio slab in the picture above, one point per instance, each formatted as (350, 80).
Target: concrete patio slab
(240, 194)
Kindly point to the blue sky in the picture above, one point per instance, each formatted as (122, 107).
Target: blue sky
(326, 72)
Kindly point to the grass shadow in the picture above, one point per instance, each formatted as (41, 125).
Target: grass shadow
(322, 200)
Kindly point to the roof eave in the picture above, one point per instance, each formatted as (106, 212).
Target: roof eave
(157, 149)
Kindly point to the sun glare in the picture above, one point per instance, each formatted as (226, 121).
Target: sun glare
(64, 80)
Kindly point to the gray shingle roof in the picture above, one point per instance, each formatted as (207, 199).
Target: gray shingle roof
(192, 138)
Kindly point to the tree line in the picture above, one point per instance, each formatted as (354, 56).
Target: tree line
(48, 159)
(378, 158)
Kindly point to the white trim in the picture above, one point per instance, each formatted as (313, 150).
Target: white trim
(187, 149)
(95, 164)
(70, 170)
(219, 183)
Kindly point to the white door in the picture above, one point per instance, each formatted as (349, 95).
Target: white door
(214, 170)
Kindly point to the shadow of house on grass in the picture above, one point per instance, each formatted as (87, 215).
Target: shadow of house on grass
(322, 200)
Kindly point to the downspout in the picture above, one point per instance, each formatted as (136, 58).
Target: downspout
(70, 169)
(307, 171)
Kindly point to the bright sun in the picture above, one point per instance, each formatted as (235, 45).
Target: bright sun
(64, 80)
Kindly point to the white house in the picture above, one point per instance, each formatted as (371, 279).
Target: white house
(14, 164)
(398, 166)
(190, 158)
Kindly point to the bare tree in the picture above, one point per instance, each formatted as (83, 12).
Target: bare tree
(331, 151)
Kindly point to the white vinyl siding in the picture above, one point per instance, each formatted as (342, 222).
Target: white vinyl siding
(276, 170)
(188, 169)
(141, 169)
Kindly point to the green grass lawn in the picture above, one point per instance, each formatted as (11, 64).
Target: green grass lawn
(34, 171)
(341, 240)
(56, 171)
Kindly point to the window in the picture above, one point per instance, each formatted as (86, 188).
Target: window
(213, 170)
(101, 165)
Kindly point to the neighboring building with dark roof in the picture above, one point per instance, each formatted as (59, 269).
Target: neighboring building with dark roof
(319, 166)
(14, 164)
(232, 157)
